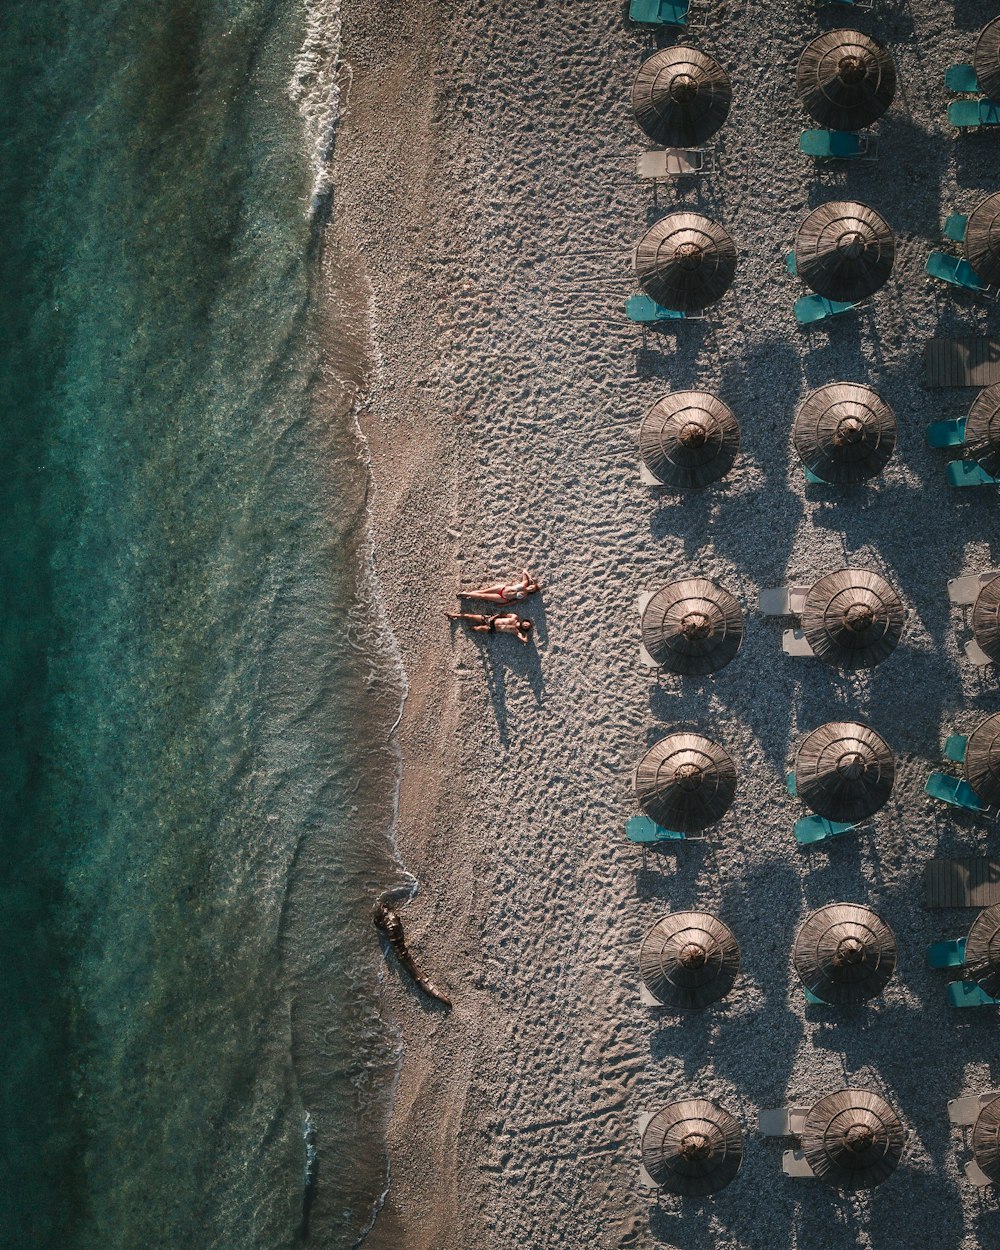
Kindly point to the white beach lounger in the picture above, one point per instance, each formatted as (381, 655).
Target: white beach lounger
(645, 659)
(965, 1110)
(647, 478)
(669, 163)
(976, 654)
(645, 1180)
(976, 1174)
(795, 1163)
(965, 590)
(794, 642)
(782, 1122)
(783, 601)
(647, 999)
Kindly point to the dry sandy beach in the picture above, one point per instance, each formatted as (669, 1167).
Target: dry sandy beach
(486, 196)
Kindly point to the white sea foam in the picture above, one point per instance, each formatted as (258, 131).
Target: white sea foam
(315, 90)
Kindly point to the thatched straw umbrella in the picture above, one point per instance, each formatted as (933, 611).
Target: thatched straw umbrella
(982, 238)
(844, 251)
(681, 96)
(986, 60)
(692, 1147)
(844, 771)
(986, 619)
(844, 954)
(692, 626)
(982, 951)
(685, 782)
(689, 439)
(982, 760)
(689, 960)
(845, 80)
(685, 261)
(853, 1139)
(852, 618)
(986, 1139)
(844, 432)
(982, 430)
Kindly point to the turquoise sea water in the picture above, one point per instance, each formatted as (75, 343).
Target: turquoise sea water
(197, 781)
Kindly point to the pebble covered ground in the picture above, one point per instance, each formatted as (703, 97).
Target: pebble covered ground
(486, 184)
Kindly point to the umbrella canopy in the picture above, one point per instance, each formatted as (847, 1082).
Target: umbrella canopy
(982, 238)
(845, 80)
(982, 430)
(688, 960)
(844, 953)
(844, 771)
(853, 1139)
(692, 1147)
(986, 1139)
(986, 619)
(685, 262)
(685, 782)
(681, 96)
(982, 760)
(986, 60)
(689, 439)
(844, 433)
(692, 626)
(844, 251)
(852, 618)
(982, 951)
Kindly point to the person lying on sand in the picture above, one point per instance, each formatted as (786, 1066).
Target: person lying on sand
(505, 592)
(498, 623)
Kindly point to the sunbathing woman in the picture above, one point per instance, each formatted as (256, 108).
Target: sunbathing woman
(498, 623)
(505, 592)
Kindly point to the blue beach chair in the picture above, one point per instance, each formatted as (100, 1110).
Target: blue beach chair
(946, 954)
(810, 997)
(964, 114)
(969, 473)
(989, 113)
(646, 832)
(842, 145)
(955, 271)
(954, 227)
(659, 12)
(954, 791)
(955, 747)
(791, 267)
(961, 79)
(811, 829)
(969, 994)
(645, 311)
(809, 309)
(946, 433)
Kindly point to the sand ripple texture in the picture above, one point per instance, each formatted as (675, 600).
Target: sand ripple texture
(487, 180)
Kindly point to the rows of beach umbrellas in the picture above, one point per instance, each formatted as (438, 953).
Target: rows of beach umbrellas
(844, 433)
(844, 250)
(844, 954)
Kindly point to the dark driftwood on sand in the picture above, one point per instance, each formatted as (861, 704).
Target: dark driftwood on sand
(390, 925)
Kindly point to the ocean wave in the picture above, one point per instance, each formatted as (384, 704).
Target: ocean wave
(315, 91)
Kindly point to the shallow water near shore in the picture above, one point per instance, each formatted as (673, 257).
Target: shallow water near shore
(197, 767)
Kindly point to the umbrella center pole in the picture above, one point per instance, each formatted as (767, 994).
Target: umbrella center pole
(851, 766)
(693, 434)
(850, 431)
(688, 776)
(859, 1138)
(851, 69)
(858, 618)
(688, 255)
(696, 1146)
(683, 89)
(696, 625)
(693, 955)
(850, 951)
(851, 245)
